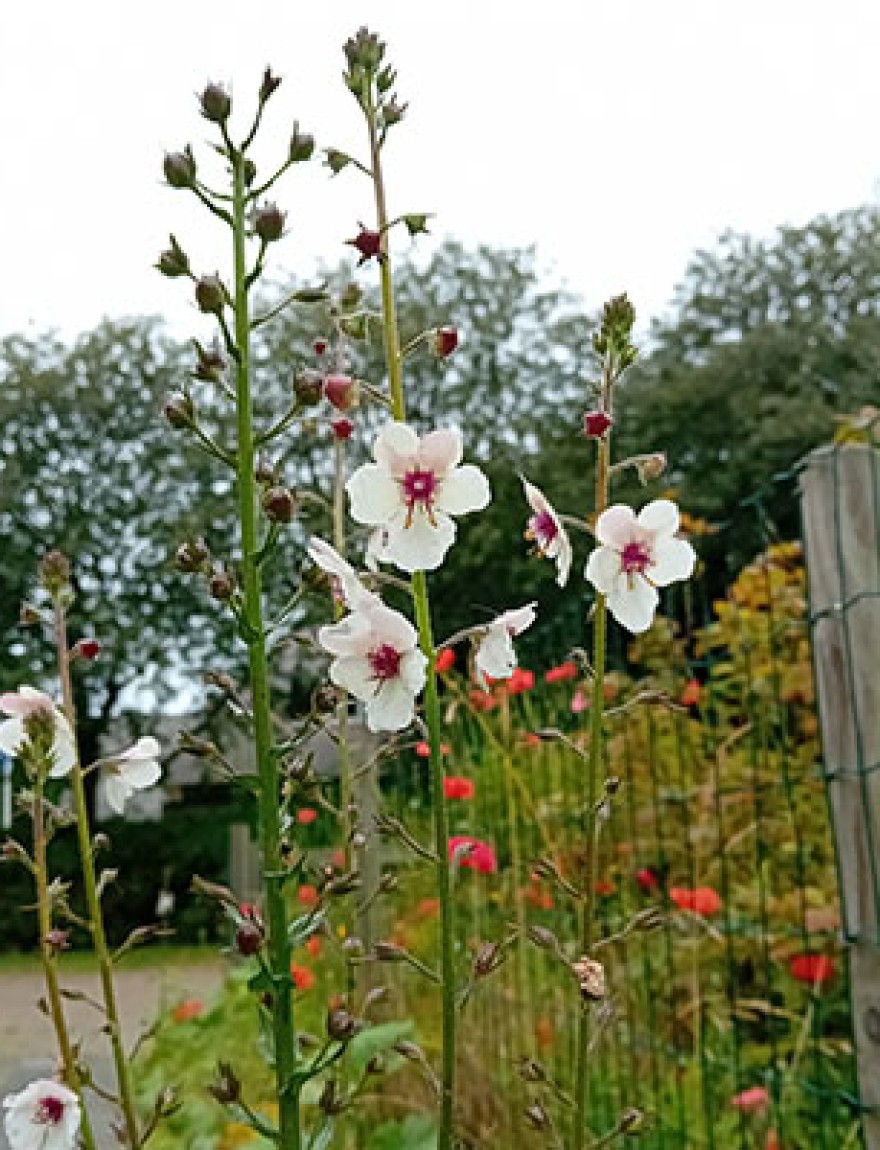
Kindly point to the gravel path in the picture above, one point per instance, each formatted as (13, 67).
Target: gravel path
(27, 1048)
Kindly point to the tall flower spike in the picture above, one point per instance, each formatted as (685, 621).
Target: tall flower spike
(495, 657)
(546, 531)
(28, 703)
(377, 660)
(410, 493)
(136, 769)
(637, 555)
(43, 1116)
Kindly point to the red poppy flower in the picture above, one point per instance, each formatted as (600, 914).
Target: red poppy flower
(702, 900)
(579, 702)
(455, 787)
(423, 750)
(481, 856)
(537, 895)
(690, 696)
(313, 946)
(308, 894)
(520, 681)
(482, 700)
(647, 880)
(531, 739)
(566, 670)
(604, 888)
(815, 969)
(303, 977)
(189, 1008)
(445, 660)
(755, 1100)
(306, 815)
(428, 908)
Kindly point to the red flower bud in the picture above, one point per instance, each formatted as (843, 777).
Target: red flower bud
(596, 423)
(320, 346)
(444, 341)
(86, 649)
(248, 939)
(368, 243)
(341, 427)
(341, 391)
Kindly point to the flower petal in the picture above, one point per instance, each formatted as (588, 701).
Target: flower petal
(604, 571)
(634, 606)
(351, 636)
(392, 708)
(674, 559)
(63, 748)
(495, 657)
(440, 451)
(353, 674)
(560, 550)
(25, 701)
(12, 735)
(396, 447)
(421, 546)
(464, 489)
(616, 526)
(141, 774)
(117, 792)
(390, 626)
(412, 671)
(145, 749)
(661, 517)
(535, 497)
(518, 619)
(374, 496)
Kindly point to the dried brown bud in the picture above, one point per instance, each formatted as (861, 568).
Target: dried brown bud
(651, 467)
(487, 959)
(269, 223)
(179, 411)
(269, 85)
(342, 1026)
(54, 572)
(173, 261)
(210, 294)
(591, 978)
(537, 1117)
(389, 952)
(221, 585)
(227, 1088)
(308, 386)
(192, 555)
(631, 1121)
(531, 1071)
(248, 939)
(28, 615)
(180, 168)
(543, 938)
(279, 504)
(215, 104)
(302, 145)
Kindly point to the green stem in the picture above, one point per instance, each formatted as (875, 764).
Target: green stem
(393, 358)
(93, 901)
(50, 967)
(588, 913)
(252, 606)
(441, 849)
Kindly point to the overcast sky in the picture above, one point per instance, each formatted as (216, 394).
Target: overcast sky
(618, 136)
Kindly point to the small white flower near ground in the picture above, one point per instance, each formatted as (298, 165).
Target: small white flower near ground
(411, 492)
(28, 703)
(546, 531)
(377, 659)
(495, 656)
(136, 769)
(638, 554)
(43, 1116)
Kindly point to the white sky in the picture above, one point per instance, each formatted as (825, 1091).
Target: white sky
(617, 136)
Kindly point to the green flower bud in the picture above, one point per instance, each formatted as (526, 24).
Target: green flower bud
(302, 145)
(269, 223)
(173, 261)
(210, 294)
(180, 168)
(269, 85)
(216, 104)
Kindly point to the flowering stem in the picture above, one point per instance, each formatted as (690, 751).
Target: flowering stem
(588, 913)
(50, 965)
(267, 767)
(93, 900)
(393, 357)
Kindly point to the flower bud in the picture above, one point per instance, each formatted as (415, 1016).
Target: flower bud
(227, 1088)
(215, 104)
(536, 1116)
(416, 223)
(596, 424)
(173, 261)
(543, 938)
(28, 615)
(54, 572)
(269, 223)
(487, 959)
(57, 940)
(342, 391)
(180, 168)
(86, 649)
(393, 112)
(341, 1025)
(364, 51)
(302, 145)
(335, 160)
(210, 294)
(341, 428)
(265, 473)
(591, 978)
(325, 699)
(13, 851)
(279, 505)
(248, 939)
(368, 242)
(221, 586)
(444, 341)
(179, 411)
(308, 386)
(269, 85)
(191, 555)
(389, 952)
(211, 363)
(633, 1120)
(320, 346)
(651, 467)
(249, 171)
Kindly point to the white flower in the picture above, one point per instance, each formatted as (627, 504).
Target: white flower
(44, 1116)
(547, 532)
(638, 555)
(133, 770)
(377, 660)
(410, 492)
(13, 732)
(346, 582)
(495, 657)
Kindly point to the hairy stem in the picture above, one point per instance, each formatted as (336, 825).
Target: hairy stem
(290, 1136)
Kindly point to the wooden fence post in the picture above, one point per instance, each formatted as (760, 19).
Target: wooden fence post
(840, 499)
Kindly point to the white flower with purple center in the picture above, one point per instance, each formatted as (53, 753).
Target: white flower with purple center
(410, 493)
(546, 531)
(28, 704)
(495, 657)
(637, 555)
(347, 587)
(136, 769)
(377, 659)
(43, 1116)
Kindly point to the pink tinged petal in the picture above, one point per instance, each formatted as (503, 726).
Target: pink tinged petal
(374, 496)
(535, 497)
(440, 451)
(330, 561)
(634, 606)
(674, 559)
(604, 572)
(25, 701)
(12, 735)
(660, 517)
(389, 626)
(518, 619)
(392, 709)
(421, 546)
(395, 448)
(464, 489)
(616, 526)
(355, 675)
(351, 636)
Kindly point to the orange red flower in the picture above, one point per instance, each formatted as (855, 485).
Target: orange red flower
(562, 672)
(481, 856)
(816, 969)
(456, 787)
(306, 815)
(445, 660)
(755, 1100)
(189, 1008)
(308, 894)
(701, 900)
(647, 880)
(303, 977)
(423, 750)
(690, 696)
(482, 700)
